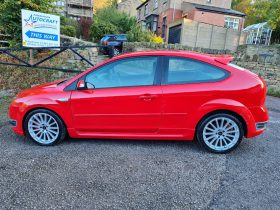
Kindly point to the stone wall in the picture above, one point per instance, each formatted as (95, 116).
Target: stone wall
(147, 46)
(92, 54)
(259, 53)
(270, 72)
(263, 60)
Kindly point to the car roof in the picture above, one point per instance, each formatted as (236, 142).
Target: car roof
(224, 59)
(166, 53)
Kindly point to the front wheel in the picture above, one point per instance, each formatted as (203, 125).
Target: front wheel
(220, 133)
(44, 127)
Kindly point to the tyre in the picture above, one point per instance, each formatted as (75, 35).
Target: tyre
(44, 127)
(220, 133)
(117, 51)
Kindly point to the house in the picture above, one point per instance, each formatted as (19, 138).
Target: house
(157, 15)
(128, 6)
(75, 9)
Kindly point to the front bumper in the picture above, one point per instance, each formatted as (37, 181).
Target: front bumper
(16, 117)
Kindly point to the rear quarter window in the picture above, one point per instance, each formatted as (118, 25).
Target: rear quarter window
(184, 71)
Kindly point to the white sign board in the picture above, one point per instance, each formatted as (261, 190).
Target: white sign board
(40, 29)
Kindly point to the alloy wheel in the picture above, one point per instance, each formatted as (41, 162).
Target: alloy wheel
(221, 134)
(43, 128)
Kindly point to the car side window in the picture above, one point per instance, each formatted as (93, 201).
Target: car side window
(128, 72)
(112, 38)
(183, 70)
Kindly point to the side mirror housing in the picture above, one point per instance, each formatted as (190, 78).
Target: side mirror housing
(81, 85)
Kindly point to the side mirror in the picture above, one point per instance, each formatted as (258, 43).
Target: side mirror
(81, 85)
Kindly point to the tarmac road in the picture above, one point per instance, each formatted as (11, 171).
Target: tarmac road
(116, 174)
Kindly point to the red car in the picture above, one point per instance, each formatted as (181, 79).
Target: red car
(162, 95)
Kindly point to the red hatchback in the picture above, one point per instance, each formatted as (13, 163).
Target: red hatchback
(162, 95)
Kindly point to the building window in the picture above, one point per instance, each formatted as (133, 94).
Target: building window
(60, 3)
(152, 23)
(209, 1)
(155, 4)
(146, 9)
(144, 25)
(164, 26)
(231, 22)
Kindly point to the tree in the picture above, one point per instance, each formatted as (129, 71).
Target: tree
(258, 11)
(10, 14)
(109, 20)
(85, 24)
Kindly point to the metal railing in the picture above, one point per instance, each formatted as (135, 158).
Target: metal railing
(57, 50)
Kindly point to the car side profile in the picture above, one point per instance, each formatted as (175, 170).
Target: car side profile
(160, 95)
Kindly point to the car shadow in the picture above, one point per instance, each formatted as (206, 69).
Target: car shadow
(189, 145)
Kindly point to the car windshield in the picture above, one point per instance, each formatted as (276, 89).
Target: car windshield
(104, 38)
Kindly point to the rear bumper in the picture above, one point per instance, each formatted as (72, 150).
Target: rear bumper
(256, 123)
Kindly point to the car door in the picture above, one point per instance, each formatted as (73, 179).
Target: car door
(124, 98)
(187, 84)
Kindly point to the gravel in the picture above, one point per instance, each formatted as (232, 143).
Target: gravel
(117, 174)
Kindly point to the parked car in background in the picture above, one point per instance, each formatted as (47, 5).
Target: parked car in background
(113, 42)
(160, 95)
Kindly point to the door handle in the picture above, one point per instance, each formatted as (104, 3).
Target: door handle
(147, 97)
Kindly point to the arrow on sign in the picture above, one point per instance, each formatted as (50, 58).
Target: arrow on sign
(39, 35)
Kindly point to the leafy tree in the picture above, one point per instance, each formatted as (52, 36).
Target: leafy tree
(68, 31)
(70, 27)
(261, 11)
(100, 28)
(10, 14)
(109, 20)
(85, 24)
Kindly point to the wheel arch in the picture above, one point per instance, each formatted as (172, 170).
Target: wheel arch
(225, 111)
(44, 108)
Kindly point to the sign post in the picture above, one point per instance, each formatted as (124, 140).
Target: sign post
(40, 29)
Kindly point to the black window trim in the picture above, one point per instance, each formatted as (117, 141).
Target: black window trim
(157, 78)
(165, 72)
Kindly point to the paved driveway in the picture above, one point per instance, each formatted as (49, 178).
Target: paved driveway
(114, 174)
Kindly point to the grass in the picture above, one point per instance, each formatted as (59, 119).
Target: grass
(273, 92)
(4, 105)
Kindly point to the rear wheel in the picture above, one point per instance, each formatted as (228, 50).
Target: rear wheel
(44, 127)
(220, 133)
(117, 51)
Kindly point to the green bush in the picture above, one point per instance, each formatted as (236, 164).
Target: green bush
(66, 22)
(109, 20)
(100, 28)
(273, 92)
(68, 30)
(137, 34)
